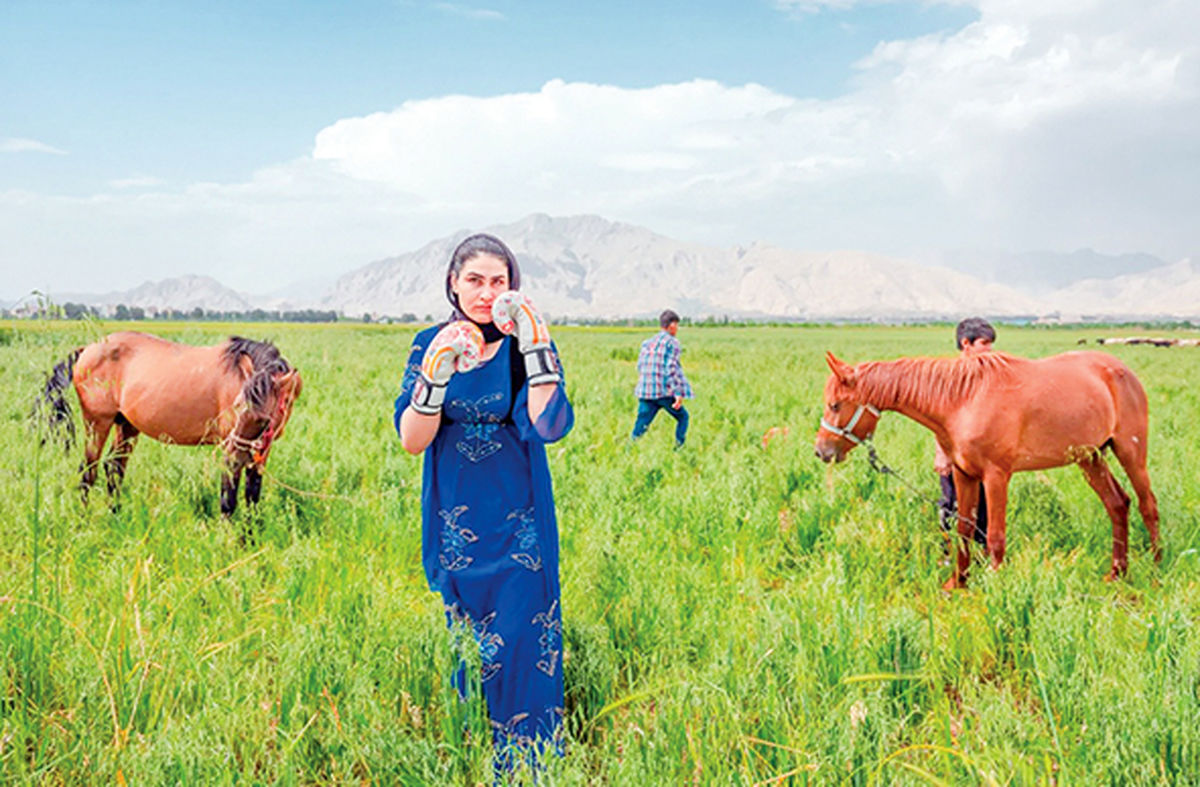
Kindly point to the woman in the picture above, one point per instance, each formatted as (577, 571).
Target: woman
(482, 405)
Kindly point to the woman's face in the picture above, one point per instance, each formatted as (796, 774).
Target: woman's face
(481, 279)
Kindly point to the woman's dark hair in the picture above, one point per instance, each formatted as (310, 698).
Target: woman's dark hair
(973, 329)
(471, 247)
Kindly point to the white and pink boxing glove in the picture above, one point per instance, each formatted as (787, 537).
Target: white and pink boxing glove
(514, 314)
(458, 347)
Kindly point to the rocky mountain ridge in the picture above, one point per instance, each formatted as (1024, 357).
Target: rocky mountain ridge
(590, 267)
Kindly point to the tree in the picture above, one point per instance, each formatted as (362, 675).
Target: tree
(76, 311)
(122, 312)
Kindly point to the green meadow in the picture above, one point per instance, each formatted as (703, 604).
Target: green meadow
(733, 613)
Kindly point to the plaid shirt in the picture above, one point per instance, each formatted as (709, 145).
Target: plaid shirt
(659, 372)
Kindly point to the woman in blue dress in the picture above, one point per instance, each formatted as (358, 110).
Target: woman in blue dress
(482, 394)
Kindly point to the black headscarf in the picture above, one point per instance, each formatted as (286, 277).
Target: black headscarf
(480, 243)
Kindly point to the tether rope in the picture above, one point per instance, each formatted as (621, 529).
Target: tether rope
(304, 492)
(878, 466)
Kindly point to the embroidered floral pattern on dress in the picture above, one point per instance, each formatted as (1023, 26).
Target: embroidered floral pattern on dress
(455, 539)
(528, 553)
(411, 373)
(550, 639)
(507, 731)
(489, 641)
(479, 426)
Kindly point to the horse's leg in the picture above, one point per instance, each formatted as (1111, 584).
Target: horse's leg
(229, 483)
(97, 434)
(253, 490)
(1116, 503)
(995, 487)
(1132, 456)
(124, 437)
(968, 501)
(253, 484)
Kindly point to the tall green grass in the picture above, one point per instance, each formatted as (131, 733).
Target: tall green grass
(732, 613)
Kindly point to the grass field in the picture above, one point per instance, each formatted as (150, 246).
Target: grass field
(732, 614)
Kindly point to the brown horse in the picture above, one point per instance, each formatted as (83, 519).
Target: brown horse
(238, 393)
(996, 414)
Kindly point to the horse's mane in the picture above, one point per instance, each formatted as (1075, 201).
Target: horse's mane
(266, 362)
(931, 383)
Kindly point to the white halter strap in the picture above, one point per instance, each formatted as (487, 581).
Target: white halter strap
(847, 431)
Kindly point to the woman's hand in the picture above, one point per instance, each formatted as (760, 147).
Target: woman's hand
(941, 460)
(457, 348)
(514, 314)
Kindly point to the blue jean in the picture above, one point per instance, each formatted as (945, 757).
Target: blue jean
(648, 408)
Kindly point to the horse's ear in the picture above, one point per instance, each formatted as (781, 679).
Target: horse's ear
(289, 380)
(246, 365)
(839, 367)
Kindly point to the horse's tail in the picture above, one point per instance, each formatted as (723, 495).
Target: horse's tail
(52, 404)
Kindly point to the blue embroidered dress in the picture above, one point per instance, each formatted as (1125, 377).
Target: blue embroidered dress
(490, 538)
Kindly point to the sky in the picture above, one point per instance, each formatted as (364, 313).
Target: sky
(272, 142)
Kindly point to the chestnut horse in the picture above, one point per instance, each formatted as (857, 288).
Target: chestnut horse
(238, 393)
(996, 414)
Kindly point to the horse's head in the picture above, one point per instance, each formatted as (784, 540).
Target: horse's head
(847, 420)
(265, 405)
(285, 390)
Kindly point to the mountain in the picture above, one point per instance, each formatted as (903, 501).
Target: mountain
(590, 267)
(587, 266)
(293, 297)
(182, 293)
(1044, 272)
(1165, 291)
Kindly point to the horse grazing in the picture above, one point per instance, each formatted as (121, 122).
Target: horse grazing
(996, 414)
(238, 393)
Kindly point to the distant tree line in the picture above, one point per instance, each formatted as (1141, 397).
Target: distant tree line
(45, 309)
(82, 311)
(254, 315)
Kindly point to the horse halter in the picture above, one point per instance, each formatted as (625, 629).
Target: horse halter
(847, 431)
(260, 446)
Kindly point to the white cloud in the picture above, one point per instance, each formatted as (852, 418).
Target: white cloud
(469, 12)
(137, 182)
(816, 6)
(570, 147)
(1050, 124)
(19, 145)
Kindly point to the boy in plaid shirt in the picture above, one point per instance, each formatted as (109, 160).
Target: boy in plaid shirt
(661, 384)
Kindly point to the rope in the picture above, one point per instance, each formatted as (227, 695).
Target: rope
(878, 466)
(304, 492)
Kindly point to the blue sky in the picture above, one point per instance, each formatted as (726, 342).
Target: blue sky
(225, 137)
(214, 90)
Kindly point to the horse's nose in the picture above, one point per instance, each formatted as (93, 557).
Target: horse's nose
(824, 452)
